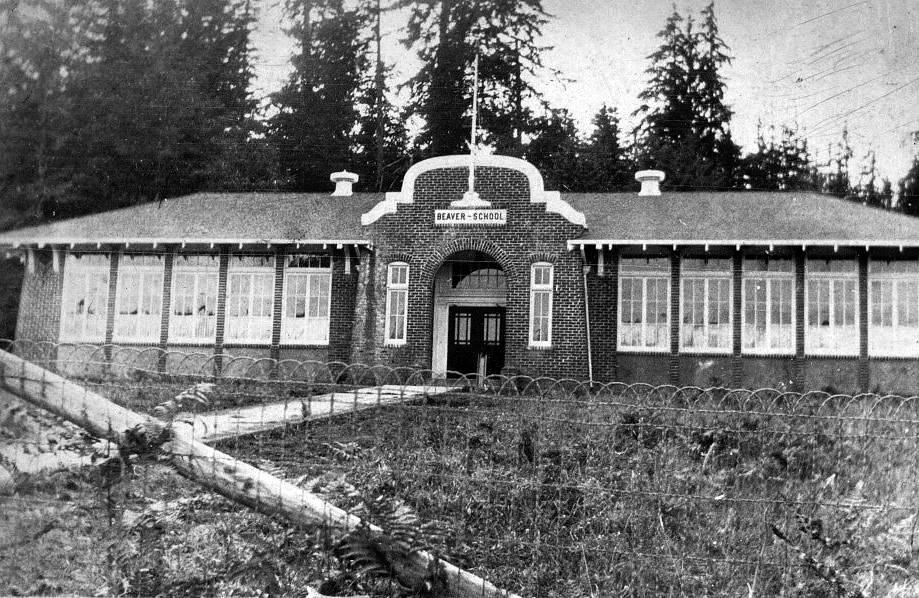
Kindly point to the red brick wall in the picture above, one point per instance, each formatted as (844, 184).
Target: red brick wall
(40, 301)
(530, 235)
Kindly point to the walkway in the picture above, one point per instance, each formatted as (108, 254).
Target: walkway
(241, 421)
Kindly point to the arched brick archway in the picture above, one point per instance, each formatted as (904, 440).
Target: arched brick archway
(437, 258)
(440, 305)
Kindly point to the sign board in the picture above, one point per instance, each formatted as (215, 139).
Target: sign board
(474, 216)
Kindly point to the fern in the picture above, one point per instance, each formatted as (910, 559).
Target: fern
(373, 554)
(195, 396)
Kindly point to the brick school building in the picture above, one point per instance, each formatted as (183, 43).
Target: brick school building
(751, 289)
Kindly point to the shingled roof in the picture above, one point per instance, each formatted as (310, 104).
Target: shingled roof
(739, 217)
(714, 217)
(215, 217)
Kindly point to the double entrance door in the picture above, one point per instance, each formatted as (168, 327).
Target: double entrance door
(475, 340)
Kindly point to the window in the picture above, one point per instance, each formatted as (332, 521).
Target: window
(706, 305)
(250, 298)
(644, 304)
(307, 299)
(139, 298)
(476, 276)
(894, 307)
(396, 303)
(768, 306)
(85, 297)
(541, 285)
(831, 326)
(194, 298)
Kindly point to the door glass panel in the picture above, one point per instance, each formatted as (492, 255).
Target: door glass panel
(462, 328)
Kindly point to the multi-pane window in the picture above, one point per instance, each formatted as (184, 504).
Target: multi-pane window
(194, 298)
(831, 325)
(476, 276)
(541, 285)
(396, 303)
(644, 304)
(250, 297)
(894, 307)
(768, 306)
(706, 305)
(85, 297)
(307, 299)
(139, 298)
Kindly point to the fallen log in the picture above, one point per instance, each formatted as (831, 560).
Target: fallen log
(213, 469)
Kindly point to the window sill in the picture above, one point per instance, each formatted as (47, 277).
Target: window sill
(540, 347)
(830, 355)
(190, 343)
(705, 351)
(644, 350)
(124, 342)
(237, 344)
(306, 345)
(395, 343)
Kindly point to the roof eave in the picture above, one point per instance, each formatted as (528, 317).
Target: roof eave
(738, 243)
(143, 241)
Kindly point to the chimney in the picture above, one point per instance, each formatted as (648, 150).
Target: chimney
(650, 181)
(343, 181)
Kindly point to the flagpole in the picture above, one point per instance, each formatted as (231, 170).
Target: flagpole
(473, 132)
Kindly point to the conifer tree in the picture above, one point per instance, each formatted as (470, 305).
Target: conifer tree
(382, 139)
(685, 127)
(448, 34)
(908, 201)
(41, 45)
(317, 108)
(607, 166)
(836, 178)
(557, 152)
(163, 104)
(779, 164)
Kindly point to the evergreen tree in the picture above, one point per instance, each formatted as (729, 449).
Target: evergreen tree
(557, 152)
(607, 166)
(685, 122)
(382, 139)
(872, 190)
(779, 165)
(448, 34)
(163, 107)
(317, 109)
(836, 178)
(908, 201)
(41, 45)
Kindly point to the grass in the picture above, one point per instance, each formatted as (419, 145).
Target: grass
(587, 498)
(154, 534)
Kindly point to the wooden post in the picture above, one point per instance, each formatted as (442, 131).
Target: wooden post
(211, 468)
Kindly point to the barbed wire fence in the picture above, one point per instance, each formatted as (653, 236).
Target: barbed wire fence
(541, 487)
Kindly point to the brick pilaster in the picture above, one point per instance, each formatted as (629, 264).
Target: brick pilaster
(737, 321)
(166, 307)
(799, 361)
(112, 292)
(613, 270)
(674, 365)
(279, 256)
(221, 308)
(864, 377)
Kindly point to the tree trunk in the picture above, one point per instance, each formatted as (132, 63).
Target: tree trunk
(210, 468)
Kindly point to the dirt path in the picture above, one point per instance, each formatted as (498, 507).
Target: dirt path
(231, 423)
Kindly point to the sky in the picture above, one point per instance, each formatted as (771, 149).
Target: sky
(820, 65)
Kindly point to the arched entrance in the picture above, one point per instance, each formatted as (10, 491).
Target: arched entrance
(470, 300)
